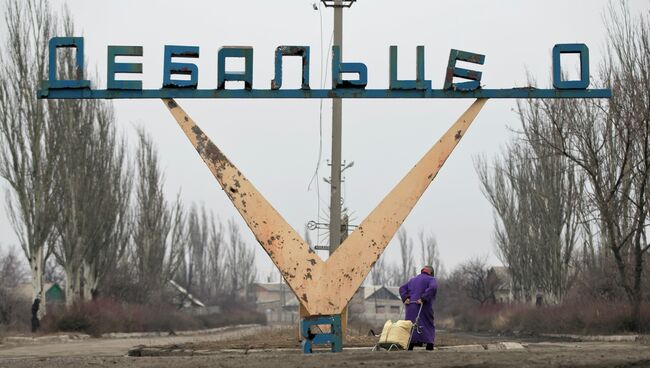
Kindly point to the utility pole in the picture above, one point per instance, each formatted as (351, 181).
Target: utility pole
(337, 129)
(337, 122)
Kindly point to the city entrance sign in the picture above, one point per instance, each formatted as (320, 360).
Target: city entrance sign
(323, 288)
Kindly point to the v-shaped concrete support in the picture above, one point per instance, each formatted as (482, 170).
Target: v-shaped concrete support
(324, 288)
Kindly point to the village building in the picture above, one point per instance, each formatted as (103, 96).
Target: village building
(500, 281)
(376, 304)
(277, 302)
(373, 304)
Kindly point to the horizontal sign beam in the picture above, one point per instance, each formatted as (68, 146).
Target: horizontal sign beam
(320, 93)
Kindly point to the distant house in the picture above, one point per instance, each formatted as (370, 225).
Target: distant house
(500, 279)
(376, 304)
(277, 302)
(55, 294)
(505, 292)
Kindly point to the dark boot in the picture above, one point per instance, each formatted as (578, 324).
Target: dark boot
(413, 344)
(429, 346)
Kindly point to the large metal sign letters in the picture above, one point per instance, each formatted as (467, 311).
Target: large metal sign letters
(173, 87)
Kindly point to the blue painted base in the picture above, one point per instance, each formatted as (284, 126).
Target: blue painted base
(333, 338)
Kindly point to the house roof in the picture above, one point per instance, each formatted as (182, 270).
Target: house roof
(55, 293)
(380, 292)
(274, 287)
(501, 273)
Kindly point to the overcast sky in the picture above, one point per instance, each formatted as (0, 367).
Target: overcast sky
(276, 142)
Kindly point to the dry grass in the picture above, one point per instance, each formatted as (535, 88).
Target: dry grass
(573, 318)
(108, 315)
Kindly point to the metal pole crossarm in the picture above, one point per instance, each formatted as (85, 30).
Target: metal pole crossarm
(338, 3)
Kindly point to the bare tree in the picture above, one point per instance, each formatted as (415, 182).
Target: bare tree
(53, 272)
(27, 150)
(406, 267)
(389, 273)
(158, 229)
(12, 274)
(71, 122)
(535, 194)
(609, 141)
(107, 246)
(430, 253)
(216, 264)
(475, 281)
(92, 186)
(110, 225)
(380, 272)
(456, 300)
(240, 262)
(193, 272)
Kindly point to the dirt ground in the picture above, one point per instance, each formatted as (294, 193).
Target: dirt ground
(117, 347)
(287, 338)
(233, 349)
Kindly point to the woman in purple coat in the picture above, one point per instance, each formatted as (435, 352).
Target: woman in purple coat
(421, 291)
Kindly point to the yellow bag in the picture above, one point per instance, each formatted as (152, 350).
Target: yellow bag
(396, 334)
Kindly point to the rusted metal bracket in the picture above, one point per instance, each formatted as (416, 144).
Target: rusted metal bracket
(324, 288)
